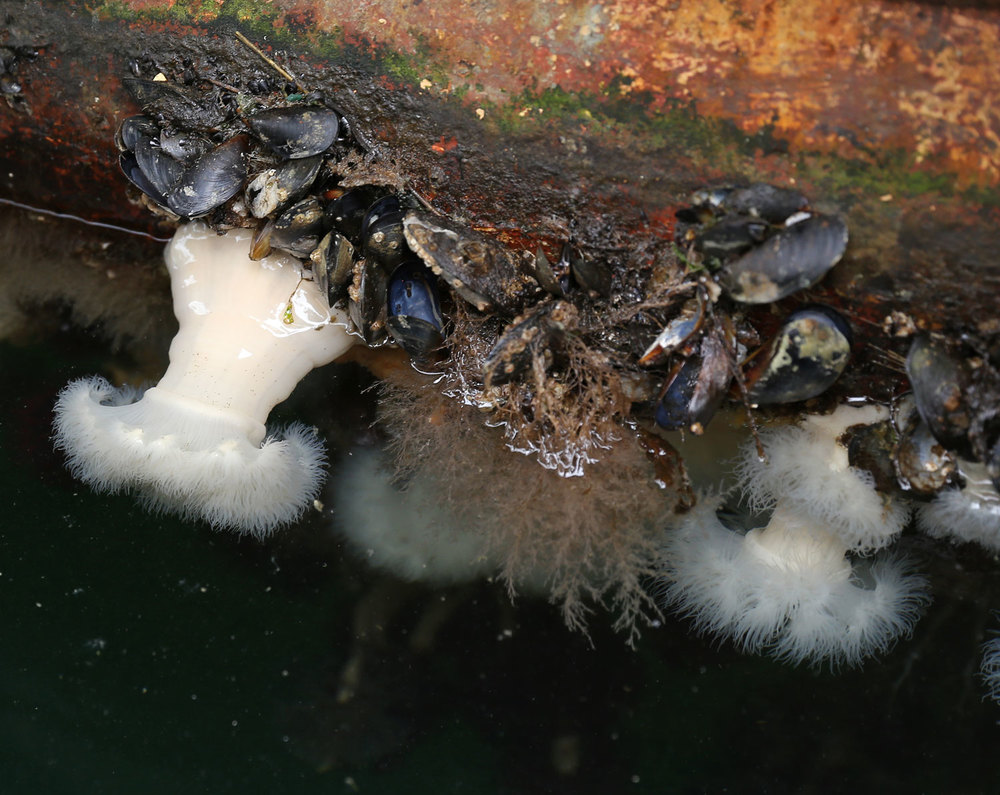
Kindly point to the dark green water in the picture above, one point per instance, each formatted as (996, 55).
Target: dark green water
(142, 654)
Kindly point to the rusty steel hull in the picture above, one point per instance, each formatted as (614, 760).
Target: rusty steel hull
(592, 116)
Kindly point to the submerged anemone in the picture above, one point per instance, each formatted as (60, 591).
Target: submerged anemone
(787, 589)
(807, 469)
(196, 443)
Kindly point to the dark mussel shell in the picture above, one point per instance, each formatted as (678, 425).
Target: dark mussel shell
(367, 306)
(731, 236)
(160, 168)
(870, 448)
(333, 265)
(477, 267)
(530, 334)
(297, 131)
(212, 180)
(168, 100)
(185, 147)
(133, 129)
(940, 383)
(347, 212)
(923, 465)
(299, 228)
(792, 259)
(590, 273)
(678, 332)
(382, 238)
(283, 185)
(695, 389)
(771, 203)
(414, 311)
(547, 277)
(803, 360)
(130, 168)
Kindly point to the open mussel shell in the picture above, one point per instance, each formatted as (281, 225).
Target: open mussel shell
(297, 131)
(480, 269)
(940, 382)
(695, 388)
(792, 259)
(414, 309)
(546, 275)
(677, 332)
(382, 238)
(283, 185)
(803, 360)
(211, 181)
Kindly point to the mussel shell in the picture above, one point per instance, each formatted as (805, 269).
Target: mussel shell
(803, 360)
(677, 332)
(870, 448)
(162, 171)
(171, 101)
(590, 273)
(696, 389)
(280, 186)
(333, 263)
(382, 237)
(367, 306)
(185, 147)
(477, 267)
(130, 168)
(299, 228)
(414, 309)
(297, 131)
(413, 292)
(532, 333)
(545, 275)
(731, 236)
(771, 203)
(132, 129)
(792, 259)
(347, 212)
(214, 179)
(922, 463)
(940, 382)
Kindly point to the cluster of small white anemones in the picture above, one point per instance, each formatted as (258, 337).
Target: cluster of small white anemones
(789, 587)
(195, 443)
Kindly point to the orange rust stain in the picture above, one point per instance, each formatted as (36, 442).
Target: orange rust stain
(443, 146)
(848, 76)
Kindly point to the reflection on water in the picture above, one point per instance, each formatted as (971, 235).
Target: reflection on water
(141, 653)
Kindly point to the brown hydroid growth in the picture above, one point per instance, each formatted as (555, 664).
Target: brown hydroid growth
(582, 540)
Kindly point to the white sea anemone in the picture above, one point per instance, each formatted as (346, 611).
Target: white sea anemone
(195, 443)
(787, 589)
(989, 670)
(410, 532)
(807, 470)
(971, 513)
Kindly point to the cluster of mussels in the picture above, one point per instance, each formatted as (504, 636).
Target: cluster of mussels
(558, 352)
